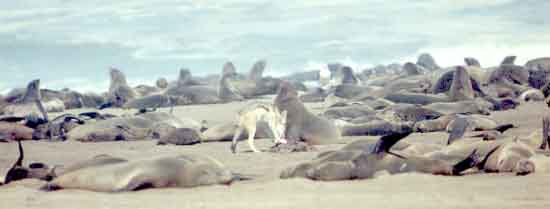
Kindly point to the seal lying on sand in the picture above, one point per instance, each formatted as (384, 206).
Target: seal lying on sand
(364, 164)
(301, 124)
(15, 131)
(143, 126)
(156, 101)
(178, 171)
(461, 107)
(34, 170)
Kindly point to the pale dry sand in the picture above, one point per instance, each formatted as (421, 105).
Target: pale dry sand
(267, 191)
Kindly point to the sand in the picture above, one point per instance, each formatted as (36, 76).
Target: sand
(266, 190)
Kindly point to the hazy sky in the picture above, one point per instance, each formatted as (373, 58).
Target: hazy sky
(73, 42)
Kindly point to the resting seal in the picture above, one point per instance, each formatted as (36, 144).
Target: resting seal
(178, 171)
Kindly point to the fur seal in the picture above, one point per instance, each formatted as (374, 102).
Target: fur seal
(179, 171)
(508, 60)
(226, 91)
(470, 61)
(461, 87)
(408, 113)
(143, 126)
(351, 111)
(156, 101)
(30, 105)
(365, 164)
(532, 95)
(446, 80)
(257, 71)
(314, 95)
(186, 79)
(343, 75)
(511, 73)
(15, 131)
(180, 136)
(411, 69)
(58, 127)
(461, 107)
(98, 160)
(119, 91)
(301, 124)
(161, 83)
(375, 128)
(348, 91)
(416, 98)
(427, 61)
(143, 90)
(55, 105)
(34, 170)
(539, 72)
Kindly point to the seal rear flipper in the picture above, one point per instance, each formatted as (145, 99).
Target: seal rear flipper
(504, 127)
(384, 144)
(471, 161)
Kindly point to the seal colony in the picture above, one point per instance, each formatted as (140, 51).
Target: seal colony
(390, 103)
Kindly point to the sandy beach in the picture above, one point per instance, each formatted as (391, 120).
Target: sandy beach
(266, 190)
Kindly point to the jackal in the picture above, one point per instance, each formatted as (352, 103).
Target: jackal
(253, 113)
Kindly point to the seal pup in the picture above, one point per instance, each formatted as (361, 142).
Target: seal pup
(179, 171)
(253, 113)
(301, 124)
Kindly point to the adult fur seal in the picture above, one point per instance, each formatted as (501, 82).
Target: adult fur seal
(226, 91)
(301, 124)
(461, 87)
(119, 91)
(364, 164)
(178, 171)
(30, 105)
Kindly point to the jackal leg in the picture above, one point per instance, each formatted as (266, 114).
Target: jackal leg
(251, 133)
(236, 136)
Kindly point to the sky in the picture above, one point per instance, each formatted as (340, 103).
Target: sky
(72, 43)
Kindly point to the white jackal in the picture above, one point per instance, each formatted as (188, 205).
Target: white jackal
(253, 113)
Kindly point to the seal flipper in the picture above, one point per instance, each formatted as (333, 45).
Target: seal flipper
(16, 172)
(458, 129)
(504, 127)
(385, 143)
(471, 161)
